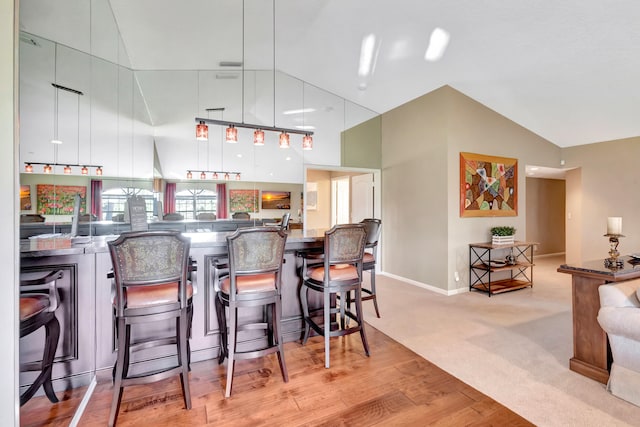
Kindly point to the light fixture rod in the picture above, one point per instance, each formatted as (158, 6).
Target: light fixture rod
(63, 164)
(68, 89)
(252, 126)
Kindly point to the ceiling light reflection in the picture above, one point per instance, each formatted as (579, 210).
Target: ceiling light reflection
(366, 55)
(437, 44)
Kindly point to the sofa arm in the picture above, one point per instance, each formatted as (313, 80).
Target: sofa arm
(622, 294)
(621, 321)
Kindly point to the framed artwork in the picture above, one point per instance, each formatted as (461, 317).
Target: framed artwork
(276, 199)
(488, 186)
(243, 201)
(25, 197)
(59, 199)
(312, 196)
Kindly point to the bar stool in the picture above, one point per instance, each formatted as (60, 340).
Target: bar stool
(38, 303)
(150, 271)
(373, 227)
(253, 280)
(338, 275)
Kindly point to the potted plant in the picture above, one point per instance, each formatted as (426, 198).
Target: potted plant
(502, 235)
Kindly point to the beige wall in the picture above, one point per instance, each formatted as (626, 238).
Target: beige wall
(361, 145)
(426, 240)
(9, 253)
(321, 217)
(574, 217)
(546, 214)
(610, 179)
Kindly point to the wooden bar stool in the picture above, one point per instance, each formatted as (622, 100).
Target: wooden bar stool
(253, 280)
(151, 277)
(338, 275)
(38, 303)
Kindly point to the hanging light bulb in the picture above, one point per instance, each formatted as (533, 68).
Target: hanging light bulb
(307, 142)
(67, 170)
(284, 140)
(238, 177)
(28, 168)
(226, 176)
(99, 171)
(203, 175)
(232, 134)
(258, 137)
(215, 176)
(189, 175)
(84, 170)
(202, 131)
(47, 168)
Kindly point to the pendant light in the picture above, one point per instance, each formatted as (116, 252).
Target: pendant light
(189, 175)
(203, 175)
(284, 140)
(258, 137)
(202, 131)
(84, 170)
(67, 170)
(47, 168)
(99, 171)
(28, 168)
(232, 134)
(307, 142)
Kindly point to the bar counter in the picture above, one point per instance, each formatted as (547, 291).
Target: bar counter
(87, 340)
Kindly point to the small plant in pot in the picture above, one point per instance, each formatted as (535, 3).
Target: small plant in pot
(502, 235)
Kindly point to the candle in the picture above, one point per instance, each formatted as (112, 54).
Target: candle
(614, 225)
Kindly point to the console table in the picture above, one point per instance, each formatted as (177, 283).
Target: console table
(591, 352)
(487, 260)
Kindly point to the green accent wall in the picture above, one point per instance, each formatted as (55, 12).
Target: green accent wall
(361, 146)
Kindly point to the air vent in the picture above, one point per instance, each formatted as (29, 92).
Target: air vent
(230, 64)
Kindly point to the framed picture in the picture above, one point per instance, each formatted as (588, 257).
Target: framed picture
(60, 199)
(488, 185)
(243, 201)
(312, 196)
(276, 199)
(25, 197)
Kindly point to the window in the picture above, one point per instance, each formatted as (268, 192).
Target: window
(114, 199)
(191, 202)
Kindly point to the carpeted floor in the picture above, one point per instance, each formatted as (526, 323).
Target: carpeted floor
(514, 347)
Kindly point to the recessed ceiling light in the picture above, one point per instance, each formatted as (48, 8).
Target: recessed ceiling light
(239, 155)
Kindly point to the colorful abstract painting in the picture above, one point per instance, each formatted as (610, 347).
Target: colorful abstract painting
(243, 200)
(488, 185)
(59, 199)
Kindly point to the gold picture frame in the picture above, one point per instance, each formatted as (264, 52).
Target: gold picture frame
(488, 185)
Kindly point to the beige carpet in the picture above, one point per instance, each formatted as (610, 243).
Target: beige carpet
(514, 347)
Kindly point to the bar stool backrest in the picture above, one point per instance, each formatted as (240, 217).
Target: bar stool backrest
(147, 258)
(257, 250)
(344, 244)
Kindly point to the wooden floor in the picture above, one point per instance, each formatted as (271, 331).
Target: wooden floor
(392, 387)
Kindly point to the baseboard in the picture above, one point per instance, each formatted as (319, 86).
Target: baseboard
(425, 286)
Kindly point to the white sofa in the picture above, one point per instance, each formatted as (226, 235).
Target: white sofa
(619, 316)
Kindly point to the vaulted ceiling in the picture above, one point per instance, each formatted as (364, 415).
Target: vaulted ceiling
(566, 70)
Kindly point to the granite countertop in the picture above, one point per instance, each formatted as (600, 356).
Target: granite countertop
(630, 265)
(55, 245)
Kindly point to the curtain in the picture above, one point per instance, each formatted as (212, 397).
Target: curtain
(170, 198)
(96, 198)
(221, 212)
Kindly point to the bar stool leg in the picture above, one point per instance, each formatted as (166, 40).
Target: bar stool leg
(304, 292)
(327, 325)
(52, 329)
(372, 272)
(277, 326)
(232, 339)
(360, 317)
(183, 356)
(222, 325)
(123, 348)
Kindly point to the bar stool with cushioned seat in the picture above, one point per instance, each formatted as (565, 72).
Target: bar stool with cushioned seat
(38, 303)
(255, 270)
(150, 270)
(339, 274)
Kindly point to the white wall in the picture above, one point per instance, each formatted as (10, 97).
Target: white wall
(9, 253)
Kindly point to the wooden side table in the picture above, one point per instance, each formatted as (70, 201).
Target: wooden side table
(591, 351)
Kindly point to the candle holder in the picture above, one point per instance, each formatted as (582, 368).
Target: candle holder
(613, 261)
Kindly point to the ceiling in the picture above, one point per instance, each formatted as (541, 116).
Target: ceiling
(566, 70)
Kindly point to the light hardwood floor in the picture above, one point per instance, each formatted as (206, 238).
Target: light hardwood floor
(394, 386)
